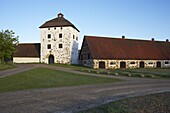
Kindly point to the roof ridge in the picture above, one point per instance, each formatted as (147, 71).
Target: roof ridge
(122, 38)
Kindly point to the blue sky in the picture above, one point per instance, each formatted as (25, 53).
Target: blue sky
(136, 19)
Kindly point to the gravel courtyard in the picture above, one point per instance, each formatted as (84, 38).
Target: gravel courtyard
(76, 98)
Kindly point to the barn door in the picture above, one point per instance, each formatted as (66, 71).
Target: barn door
(122, 64)
(102, 65)
(141, 64)
(158, 64)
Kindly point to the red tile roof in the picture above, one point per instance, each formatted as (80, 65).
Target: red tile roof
(127, 49)
(60, 21)
(27, 50)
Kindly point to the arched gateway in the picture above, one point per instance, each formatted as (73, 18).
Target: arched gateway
(51, 59)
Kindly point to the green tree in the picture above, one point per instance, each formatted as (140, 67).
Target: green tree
(8, 43)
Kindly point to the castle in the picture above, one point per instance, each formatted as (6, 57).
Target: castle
(59, 44)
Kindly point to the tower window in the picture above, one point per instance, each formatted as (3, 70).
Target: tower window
(60, 45)
(55, 28)
(49, 35)
(49, 46)
(76, 38)
(48, 28)
(73, 37)
(60, 35)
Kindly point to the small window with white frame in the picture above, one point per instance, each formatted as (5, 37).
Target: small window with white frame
(60, 46)
(112, 63)
(132, 63)
(49, 36)
(150, 63)
(60, 35)
(166, 62)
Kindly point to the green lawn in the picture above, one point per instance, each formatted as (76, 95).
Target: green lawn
(45, 78)
(155, 103)
(6, 65)
(141, 72)
(73, 66)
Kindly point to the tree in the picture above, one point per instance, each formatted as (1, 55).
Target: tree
(8, 43)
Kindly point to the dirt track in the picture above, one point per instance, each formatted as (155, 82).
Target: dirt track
(73, 99)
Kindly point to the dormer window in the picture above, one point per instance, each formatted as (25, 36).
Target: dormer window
(60, 35)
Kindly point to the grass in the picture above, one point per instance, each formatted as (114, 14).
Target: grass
(6, 65)
(45, 78)
(155, 103)
(73, 66)
(149, 73)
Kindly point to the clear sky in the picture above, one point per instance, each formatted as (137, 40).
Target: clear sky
(136, 19)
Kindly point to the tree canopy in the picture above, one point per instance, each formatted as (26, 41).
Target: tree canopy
(8, 43)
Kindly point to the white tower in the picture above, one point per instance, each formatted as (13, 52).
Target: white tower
(59, 41)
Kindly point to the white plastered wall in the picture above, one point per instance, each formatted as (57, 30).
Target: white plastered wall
(68, 54)
(26, 59)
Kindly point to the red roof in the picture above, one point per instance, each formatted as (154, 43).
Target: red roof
(60, 21)
(27, 50)
(127, 49)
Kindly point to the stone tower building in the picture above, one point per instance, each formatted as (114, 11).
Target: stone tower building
(59, 41)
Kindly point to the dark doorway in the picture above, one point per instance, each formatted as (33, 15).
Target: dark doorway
(122, 64)
(142, 64)
(51, 59)
(158, 64)
(102, 65)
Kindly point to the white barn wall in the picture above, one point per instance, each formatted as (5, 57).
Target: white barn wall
(95, 63)
(26, 59)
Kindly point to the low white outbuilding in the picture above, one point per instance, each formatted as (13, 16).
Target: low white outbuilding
(27, 53)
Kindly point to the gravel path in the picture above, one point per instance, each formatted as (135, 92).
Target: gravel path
(73, 99)
(18, 69)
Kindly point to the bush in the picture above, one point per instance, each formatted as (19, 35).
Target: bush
(6, 65)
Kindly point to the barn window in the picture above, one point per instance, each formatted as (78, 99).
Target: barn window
(84, 62)
(166, 62)
(112, 63)
(60, 45)
(88, 56)
(49, 46)
(60, 35)
(49, 35)
(150, 63)
(81, 57)
(132, 62)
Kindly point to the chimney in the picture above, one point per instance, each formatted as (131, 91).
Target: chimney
(152, 39)
(123, 37)
(60, 15)
(167, 40)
